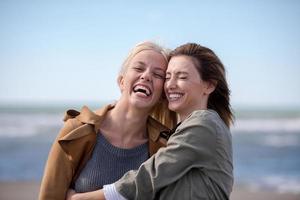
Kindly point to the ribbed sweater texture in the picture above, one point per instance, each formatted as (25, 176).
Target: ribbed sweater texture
(108, 164)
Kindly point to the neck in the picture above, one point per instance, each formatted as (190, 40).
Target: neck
(133, 118)
(182, 117)
(125, 126)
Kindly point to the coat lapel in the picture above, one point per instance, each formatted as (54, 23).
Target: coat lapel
(89, 122)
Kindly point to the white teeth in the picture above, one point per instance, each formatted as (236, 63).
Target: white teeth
(175, 96)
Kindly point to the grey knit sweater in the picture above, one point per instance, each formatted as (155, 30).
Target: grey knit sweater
(108, 164)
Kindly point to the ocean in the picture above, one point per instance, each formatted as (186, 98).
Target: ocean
(266, 145)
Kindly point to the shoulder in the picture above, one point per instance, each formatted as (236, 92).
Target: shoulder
(84, 120)
(204, 121)
(68, 126)
(154, 128)
(206, 118)
(156, 124)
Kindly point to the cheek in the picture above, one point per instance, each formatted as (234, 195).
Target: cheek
(159, 86)
(165, 86)
(197, 89)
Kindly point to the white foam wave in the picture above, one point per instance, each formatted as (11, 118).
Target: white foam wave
(281, 140)
(267, 125)
(26, 124)
(282, 184)
(23, 125)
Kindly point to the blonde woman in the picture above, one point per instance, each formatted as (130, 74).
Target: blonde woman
(97, 148)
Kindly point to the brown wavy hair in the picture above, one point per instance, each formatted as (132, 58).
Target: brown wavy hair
(211, 70)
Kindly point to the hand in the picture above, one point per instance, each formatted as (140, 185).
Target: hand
(71, 194)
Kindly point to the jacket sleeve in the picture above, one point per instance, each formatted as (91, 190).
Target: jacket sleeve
(190, 147)
(58, 172)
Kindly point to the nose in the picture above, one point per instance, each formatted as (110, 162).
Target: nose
(146, 75)
(171, 83)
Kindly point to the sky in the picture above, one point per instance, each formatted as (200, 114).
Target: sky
(71, 51)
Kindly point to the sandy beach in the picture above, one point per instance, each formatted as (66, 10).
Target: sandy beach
(29, 191)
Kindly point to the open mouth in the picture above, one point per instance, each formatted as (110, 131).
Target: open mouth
(142, 89)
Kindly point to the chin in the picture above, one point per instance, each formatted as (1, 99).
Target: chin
(174, 108)
(143, 104)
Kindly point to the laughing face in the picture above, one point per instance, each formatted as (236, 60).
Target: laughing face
(142, 83)
(184, 88)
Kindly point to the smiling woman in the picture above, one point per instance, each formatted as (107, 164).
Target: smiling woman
(97, 148)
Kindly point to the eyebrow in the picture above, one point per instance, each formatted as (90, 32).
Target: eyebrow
(143, 64)
(140, 63)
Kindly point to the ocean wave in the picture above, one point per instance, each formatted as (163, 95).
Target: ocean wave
(281, 140)
(27, 124)
(280, 184)
(277, 125)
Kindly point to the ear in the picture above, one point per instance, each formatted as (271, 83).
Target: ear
(120, 81)
(210, 86)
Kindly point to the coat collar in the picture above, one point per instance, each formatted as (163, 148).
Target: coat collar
(87, 117)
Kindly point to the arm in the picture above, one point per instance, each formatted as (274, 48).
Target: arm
(108, 192)
(58, 171)
(187, 148)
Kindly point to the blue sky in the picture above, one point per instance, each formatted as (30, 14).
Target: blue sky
(71, 51)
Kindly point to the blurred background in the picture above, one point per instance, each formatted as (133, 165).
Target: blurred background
(56, 55)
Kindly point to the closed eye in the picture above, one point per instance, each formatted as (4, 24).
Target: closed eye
(182, 77)
(138, 69)
(158, 75)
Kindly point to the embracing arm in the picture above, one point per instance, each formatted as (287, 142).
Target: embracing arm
(58, 171)
(187, 148)
(95, 195)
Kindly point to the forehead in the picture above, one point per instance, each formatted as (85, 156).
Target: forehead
(150, 57)
(182, 64)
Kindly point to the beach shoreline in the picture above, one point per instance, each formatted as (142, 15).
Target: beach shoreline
(28, 190)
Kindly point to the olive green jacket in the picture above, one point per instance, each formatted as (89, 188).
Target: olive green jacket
(73, 147)
(196, 164)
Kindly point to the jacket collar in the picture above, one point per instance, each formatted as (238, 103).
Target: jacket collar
(85, 117)
(88, 117)
(93, 118)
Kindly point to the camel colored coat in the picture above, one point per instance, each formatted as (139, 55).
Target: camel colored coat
(74, 146)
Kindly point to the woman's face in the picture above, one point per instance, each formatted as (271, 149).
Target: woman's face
(142, 83)
(184, 88)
